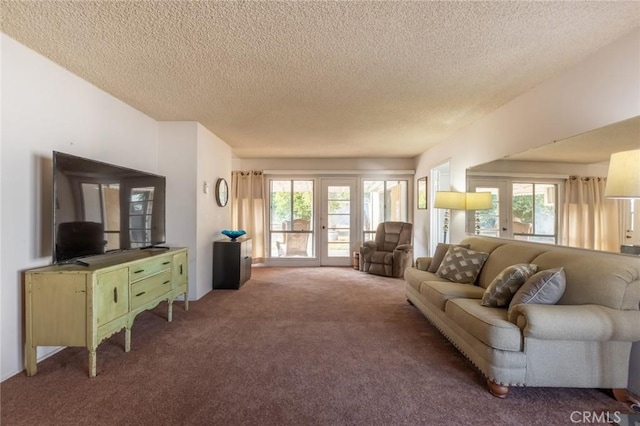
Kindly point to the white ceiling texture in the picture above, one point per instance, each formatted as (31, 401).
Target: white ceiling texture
(318, 79)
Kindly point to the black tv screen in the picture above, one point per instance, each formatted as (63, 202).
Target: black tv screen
(100, 207)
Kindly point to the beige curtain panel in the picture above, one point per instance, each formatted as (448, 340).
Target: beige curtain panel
(589, 219)
(248, 204)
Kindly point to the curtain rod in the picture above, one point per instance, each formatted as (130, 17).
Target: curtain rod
(339, 172)
(519, 175)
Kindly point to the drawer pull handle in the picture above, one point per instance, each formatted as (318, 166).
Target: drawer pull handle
(115, 295)
(180, 269)
(166, 263)
(166, 282)
(138, 271)
(140, 294)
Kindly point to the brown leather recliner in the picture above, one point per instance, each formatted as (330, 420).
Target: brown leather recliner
(391, 253)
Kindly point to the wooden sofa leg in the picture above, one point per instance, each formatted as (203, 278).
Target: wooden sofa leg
(623, 395)
(497, 390)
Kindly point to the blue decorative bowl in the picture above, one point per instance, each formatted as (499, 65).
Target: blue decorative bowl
(234, 234)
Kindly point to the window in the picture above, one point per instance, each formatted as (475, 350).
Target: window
(534, 211)
(291, 218)
(383, 200)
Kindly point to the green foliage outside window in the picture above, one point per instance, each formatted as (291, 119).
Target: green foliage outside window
(523, 207)
(281, 205)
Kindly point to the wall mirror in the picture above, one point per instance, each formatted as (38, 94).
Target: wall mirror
(529, 189)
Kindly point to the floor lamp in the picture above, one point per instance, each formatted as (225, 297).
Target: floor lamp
(448, 200)
(478, 201)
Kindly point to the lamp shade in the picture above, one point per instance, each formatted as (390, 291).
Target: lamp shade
(450, 200)
(478, 201)
(623, 179)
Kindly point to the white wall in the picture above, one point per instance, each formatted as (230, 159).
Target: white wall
(46, 108)
(190, 155)
(214, 162)
(601, 90)
(178, 149)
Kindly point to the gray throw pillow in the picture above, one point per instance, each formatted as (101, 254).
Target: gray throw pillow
(438, 255)
(501, 290)
(461, 265)
(546, 287)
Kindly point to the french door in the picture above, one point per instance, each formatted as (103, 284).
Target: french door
(523, 209)
(337, 221)
(493, 222)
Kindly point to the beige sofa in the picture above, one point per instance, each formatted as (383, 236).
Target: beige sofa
(582, 341)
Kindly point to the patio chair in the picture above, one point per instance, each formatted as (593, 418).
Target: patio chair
(294, 244)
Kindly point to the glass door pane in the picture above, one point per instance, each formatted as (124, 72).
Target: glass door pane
(491, 222)
(338, 221)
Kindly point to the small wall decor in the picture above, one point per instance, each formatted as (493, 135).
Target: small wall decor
(222, 192)
(422, 193)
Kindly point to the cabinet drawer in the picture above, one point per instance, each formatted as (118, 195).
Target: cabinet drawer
(150, 288)
(149, 267)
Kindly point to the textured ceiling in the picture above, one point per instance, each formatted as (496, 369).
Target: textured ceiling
(318, 79)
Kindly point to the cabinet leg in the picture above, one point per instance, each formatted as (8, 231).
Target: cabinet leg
(186, 301)
(170, 311)
(127, 339)
(92, 363)
(30, 360)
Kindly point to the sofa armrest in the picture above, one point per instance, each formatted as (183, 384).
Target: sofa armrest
(423, 263)
(576, 322)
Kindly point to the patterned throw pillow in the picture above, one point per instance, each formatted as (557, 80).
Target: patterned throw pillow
(546, 287)
(461, 265)
(441, 251)
(501, 290)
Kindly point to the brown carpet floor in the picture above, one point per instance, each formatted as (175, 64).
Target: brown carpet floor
(294, 346)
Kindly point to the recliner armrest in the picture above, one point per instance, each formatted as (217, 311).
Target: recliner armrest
(371, 245)
(404, 247)
(576, 322)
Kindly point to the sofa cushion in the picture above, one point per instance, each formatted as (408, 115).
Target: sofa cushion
(505, 256)
(504, 286)
(461, 265)
(489, 325)
(438, 292)
(546, 287)
(439, 254)
(414, 278)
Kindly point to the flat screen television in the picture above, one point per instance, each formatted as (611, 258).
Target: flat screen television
(100, 207)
